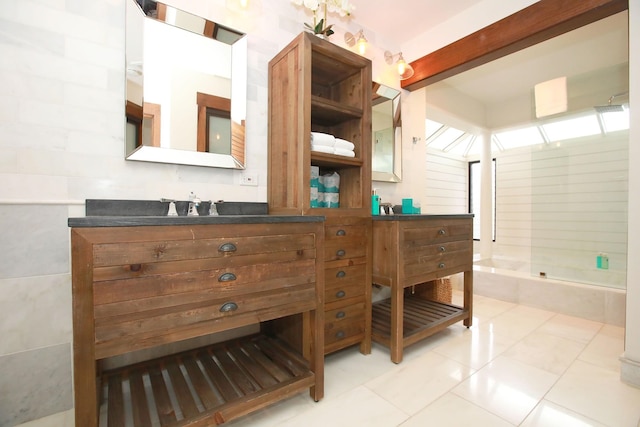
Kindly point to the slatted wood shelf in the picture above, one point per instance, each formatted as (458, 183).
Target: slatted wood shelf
(421, 318)
(199, 387)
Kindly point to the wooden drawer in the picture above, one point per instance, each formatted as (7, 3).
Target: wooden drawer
(344, 241)
(344, 325)
(345, 281)
(440, 259)
(419, 233)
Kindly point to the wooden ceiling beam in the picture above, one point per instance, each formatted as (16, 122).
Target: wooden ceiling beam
(541, 21)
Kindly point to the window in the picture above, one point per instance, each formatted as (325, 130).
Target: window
(475, 184)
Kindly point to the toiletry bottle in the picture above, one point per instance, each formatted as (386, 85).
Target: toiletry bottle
(375, 203)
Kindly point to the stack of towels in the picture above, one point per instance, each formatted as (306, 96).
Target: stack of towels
(327, 143)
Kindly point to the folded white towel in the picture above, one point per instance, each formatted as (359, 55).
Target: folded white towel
(322, 148)
(342, 152)
(344, 144)
(319, 138)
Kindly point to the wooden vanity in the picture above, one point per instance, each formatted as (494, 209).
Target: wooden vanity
(409, 250)
(146, 282)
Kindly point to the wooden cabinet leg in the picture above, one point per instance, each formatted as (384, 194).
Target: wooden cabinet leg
(397, 310)
(468, 297)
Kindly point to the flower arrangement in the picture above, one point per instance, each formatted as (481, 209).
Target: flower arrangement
(322, 7)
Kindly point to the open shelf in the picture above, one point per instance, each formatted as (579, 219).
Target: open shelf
(217, 383)
(421, 318)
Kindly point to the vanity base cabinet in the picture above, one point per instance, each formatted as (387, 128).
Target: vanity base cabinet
(409, 250)
(347, 301)
(146, 287)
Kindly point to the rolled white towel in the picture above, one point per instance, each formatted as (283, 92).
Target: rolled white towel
(343, 144)
(343, 152)
(322, 148)
(319, 138)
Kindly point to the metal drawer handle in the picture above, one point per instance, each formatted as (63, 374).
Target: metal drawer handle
(227, 277)
(442, 232)
(341, 274)
(340, 294)
(341, 233)
(228, 307)
(441, 265)
(341, 252)
(227, 247)
(340, 314)
(340, 334)
(442, 248)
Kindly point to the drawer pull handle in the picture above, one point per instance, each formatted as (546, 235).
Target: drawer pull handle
(340, 334)
(441, 265)
(442, 248)
(227, 247)
(341, 233)
(228, 307)
(341, 274)
(340, 294)
(340, 314)
(442, 232)
(227, 277)
(341, 252)
(135, 267)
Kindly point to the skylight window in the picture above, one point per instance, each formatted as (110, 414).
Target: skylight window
(445, 138)
(576, 127)
(517, 138)
(615, 121)
(432, 127)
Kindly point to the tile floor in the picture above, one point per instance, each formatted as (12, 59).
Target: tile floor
(517, 366)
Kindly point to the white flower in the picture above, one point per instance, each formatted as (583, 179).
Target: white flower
(297, 2)
(312, 4)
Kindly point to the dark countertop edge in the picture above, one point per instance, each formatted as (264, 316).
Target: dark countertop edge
(414, 217)
(134, 221)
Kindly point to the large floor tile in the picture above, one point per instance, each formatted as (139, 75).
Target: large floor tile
(548, 414)
(573, 328)
(517, 322)
(507, 388)
(597, 393)
(549, 352)
(453, 411)
(357, 407)
(605, 348)
(417, 383)
(475, 348)
(348, 368)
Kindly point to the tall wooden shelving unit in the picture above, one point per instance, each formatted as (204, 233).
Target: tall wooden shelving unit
(317, 86)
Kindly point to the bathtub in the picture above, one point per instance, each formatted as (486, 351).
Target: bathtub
(511, 280)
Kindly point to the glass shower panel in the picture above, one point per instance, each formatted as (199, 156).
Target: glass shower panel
(579, 210)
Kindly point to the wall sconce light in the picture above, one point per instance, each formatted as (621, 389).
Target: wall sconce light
(358, 39)
(405, 70)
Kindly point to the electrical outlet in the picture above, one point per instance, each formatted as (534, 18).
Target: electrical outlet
(249, 179)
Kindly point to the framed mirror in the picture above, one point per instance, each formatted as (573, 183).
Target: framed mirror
(386, 131)
(186, 88)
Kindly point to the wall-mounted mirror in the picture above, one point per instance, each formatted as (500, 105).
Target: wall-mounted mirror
(186, 88)
(386, 131)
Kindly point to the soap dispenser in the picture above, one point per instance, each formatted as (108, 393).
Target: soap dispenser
(375, 202)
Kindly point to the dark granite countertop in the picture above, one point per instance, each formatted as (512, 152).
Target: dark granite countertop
(414, 217)
(134, 221)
